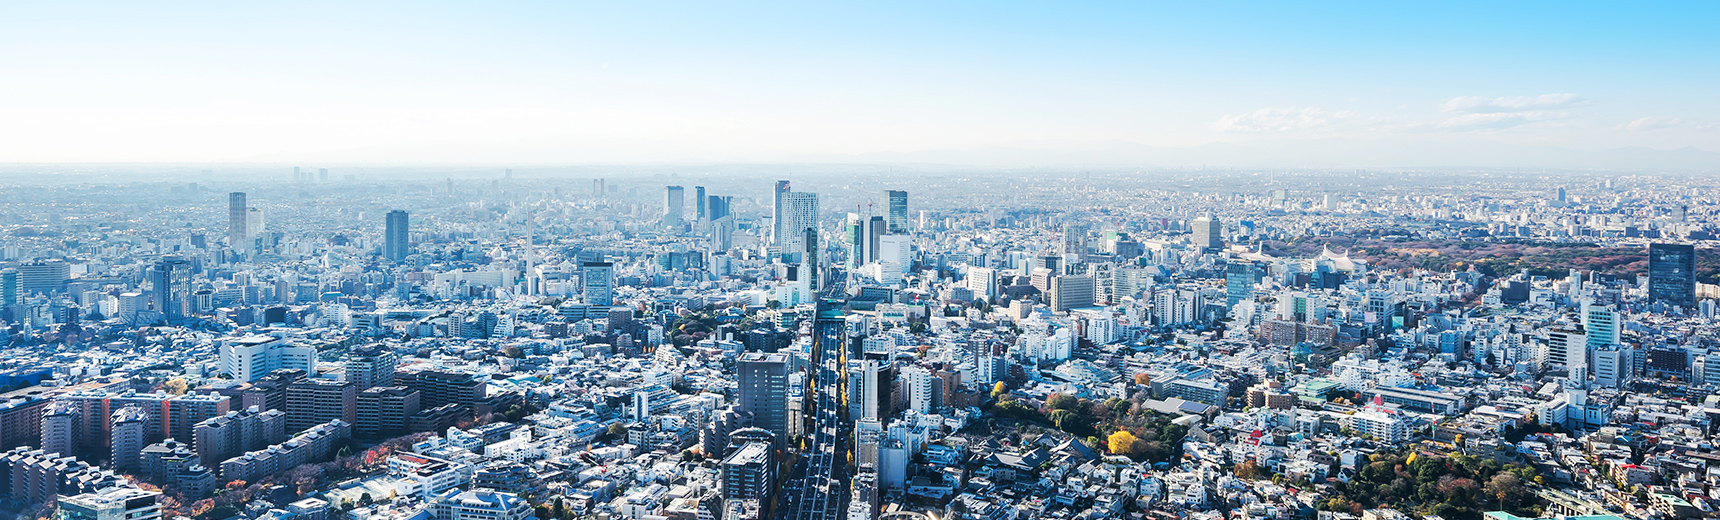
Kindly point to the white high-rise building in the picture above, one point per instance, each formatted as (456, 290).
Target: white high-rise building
(252, 357)
(982, 281)
(919, 388)
(1382, 426)
(1569, 348)
(799, 212)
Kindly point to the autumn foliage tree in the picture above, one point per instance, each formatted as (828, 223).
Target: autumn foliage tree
(1120, 442)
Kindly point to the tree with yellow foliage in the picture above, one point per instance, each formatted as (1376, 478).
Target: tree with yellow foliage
(1120, 442)
(175, 386)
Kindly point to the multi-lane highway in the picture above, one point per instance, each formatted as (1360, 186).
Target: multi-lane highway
(817, 487)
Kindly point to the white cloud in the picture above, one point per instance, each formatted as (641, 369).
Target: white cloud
(1275, 119)
(1484, 105)
(1652, 123)
(1496, 120)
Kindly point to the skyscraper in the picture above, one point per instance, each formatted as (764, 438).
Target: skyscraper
(876, 228)
(776, 210)
(763, 390)
(896, 210)
(1601, 323)
(799, 213)
(598, 279)
(395, 246)
(237, 237)
(11, 287)
(1672, 274)
(1075, 240)
(170, 286)
(1239, 278)
(1208, 233)
(674, 205)
(854, 232)
(699, 204)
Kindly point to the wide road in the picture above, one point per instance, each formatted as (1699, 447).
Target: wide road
(817, 487)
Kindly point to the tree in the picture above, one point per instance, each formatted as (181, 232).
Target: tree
(617, 429)
(1121, 441)
(998, 390)
(1062, 402)
(1143, 378)
(175, 386)
(1248, 470)
(513, 352)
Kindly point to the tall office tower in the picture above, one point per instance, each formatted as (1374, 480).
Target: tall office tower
(127, 439)
(111, 503)
(699, 205)
(722, 224)
(799, 213)
(776, 213)
(598, 279)
(60, 427)
(1208, 233)
(237, 237)
(1239, 278)
(811, 259)
(369, 366)
(382, 411)
(750, 473)
(854, 232)
(315, 401)
(1561, 195)
(1672, 274)
(297, 177)
(896, 209)
(322, 174)
(1601, 322)
(674, 205)
(11, 287)
(876, 228)
(763, 391)
(170, 286)
(395, 245)
(251, 358)
(1075, 240)
(717, 207)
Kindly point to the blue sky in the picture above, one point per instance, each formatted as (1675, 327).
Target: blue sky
(665, 82)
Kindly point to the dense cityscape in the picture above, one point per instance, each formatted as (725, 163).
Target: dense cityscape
(859, 343)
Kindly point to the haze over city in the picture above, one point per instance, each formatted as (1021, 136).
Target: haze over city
(891, 261)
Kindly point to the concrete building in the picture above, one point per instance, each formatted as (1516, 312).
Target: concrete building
(316, 401)
(116, 503)
(383, 411)
(763, 390)
(252, 357)
(127, 441)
